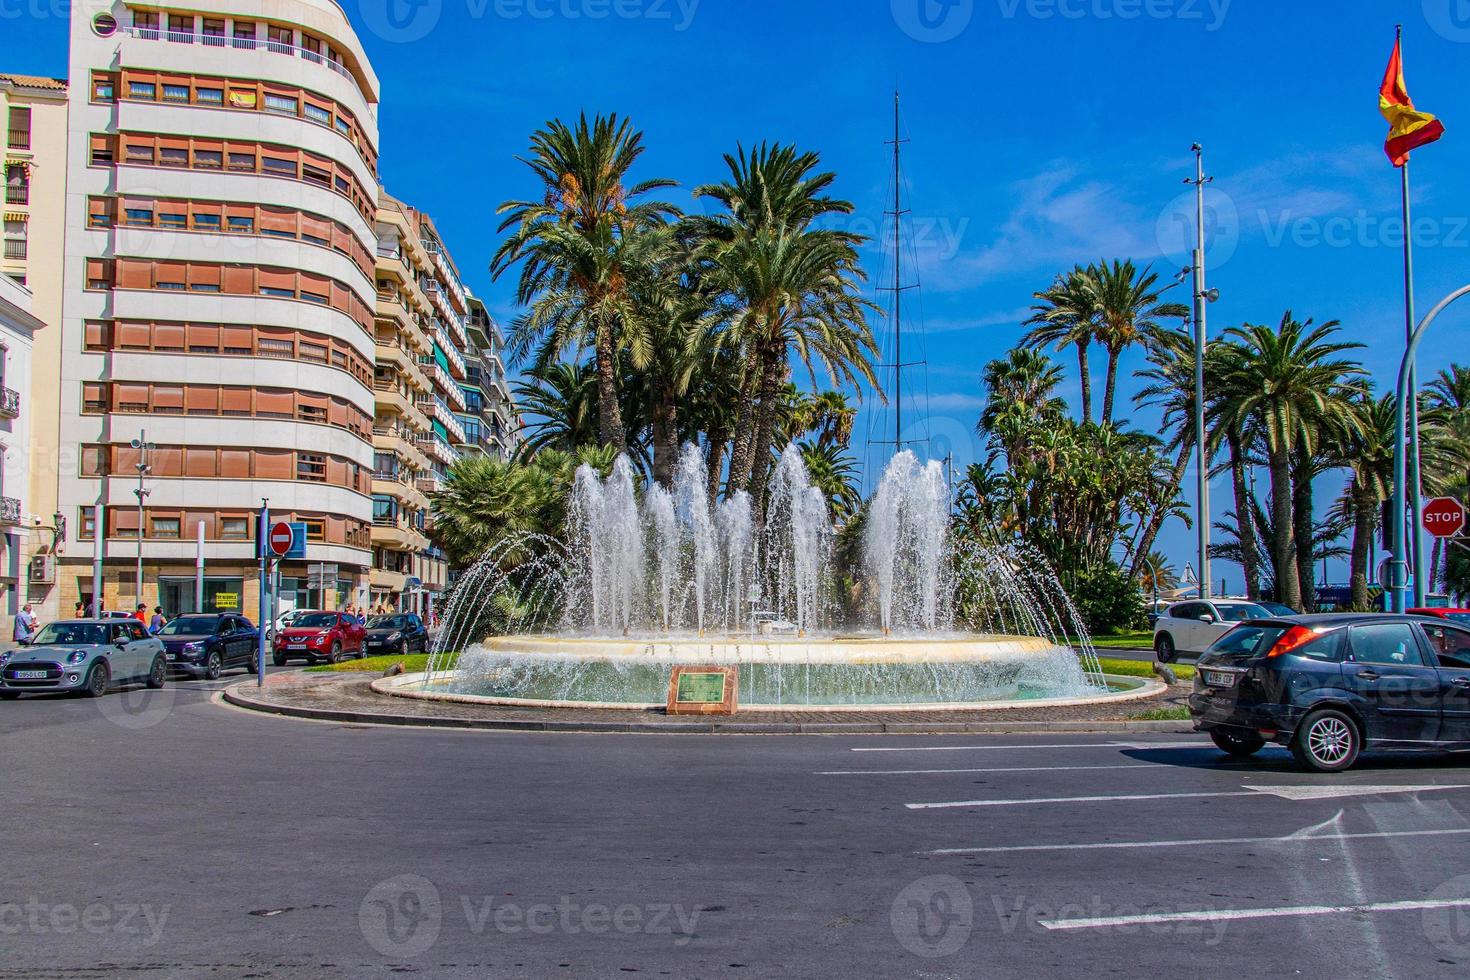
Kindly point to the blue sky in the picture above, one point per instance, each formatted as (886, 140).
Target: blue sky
(1044, 132)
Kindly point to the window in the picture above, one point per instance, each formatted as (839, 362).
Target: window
(213, 32)
(172, 219)
(281, 104)
(278, 165)
(242, 160)
(181, 28)
(244, 34)
(234, 528)
(173, 156)
(102, 154)
(86, 524)
(176, 93)
(138, 152)
(164, 527)
(312, 467)
(138, 216)
(316, 113)
(280, 39)
(209, 96)
(342, 126)
(103, 89)
(311, 48)
(316, 175)
(1386, 643)
(142, 90)
(278, 291)
(206, 222)
(242, 224)
(1450, 644)
(209, 159)
(272, 347)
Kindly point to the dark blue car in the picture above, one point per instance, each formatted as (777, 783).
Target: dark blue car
(1330, 686)
(206, 645)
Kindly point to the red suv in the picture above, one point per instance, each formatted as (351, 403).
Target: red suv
(317, 636)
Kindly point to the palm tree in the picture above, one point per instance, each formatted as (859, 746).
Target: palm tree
(1170, 388)
(1020, 390)
(1369, 452)
(1291, 383)
(1064, 318)
(833, 472)
(558, 404)
(580, 244)
(1128, 311)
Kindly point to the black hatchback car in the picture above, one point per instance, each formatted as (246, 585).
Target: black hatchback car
(397, 633)
(1332, 685)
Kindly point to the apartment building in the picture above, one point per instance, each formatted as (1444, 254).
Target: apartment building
(18, 525)
(491, 423)
(218, 331)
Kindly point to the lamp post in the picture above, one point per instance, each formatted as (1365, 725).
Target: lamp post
(144, 447)
(1202, 296)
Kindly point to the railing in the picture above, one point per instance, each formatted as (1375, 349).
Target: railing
(9, 403)
(9, 511)
(15, 248)
(17, 194)
(20, 139)
(243, 43)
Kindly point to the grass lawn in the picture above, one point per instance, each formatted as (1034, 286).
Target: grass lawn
(412, 663)
(1143, 668)
(1126, 641)
(1161, 714)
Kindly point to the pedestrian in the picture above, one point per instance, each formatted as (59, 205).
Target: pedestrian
(159, 620)
(80, 610)
(141, 613)
(25, 625)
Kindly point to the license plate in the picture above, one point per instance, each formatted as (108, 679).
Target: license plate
(30, 675)
(173, 656)
(295, 646)
(1216, 678)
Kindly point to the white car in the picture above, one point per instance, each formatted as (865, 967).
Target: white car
(1191, 626)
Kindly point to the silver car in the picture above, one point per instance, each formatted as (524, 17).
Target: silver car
(1191, 626)
(88, 655)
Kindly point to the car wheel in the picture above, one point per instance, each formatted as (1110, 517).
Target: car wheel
(336, 656)
(1237, 743)
(279, 659)
(1326, 741)
(97, 681)
(1164, 648)
(213, 666)
(158, 673)
(250, 665)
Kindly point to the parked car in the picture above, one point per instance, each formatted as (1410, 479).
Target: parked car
(316, 635)
(205, 645)
(1276, 608)
(87, 655)
(397, 633)
(1191, 626)
(1454, 614)
(282, 621)
(1332, 685)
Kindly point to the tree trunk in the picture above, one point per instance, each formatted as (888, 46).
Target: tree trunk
(1084, 373)
(1283, 543)
(1245, 516)
(740, 457)
(1365, 521)
(1436, 561)
(665, 437)
(714, 461)
(772, 371)
(1110, 383)
(1156, 521)
(609, 416)
(1302, 529)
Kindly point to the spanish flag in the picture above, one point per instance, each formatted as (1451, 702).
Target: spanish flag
(1408, 128)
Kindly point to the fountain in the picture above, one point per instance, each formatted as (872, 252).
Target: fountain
(649, 578)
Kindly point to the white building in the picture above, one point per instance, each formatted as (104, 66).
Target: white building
(17, 327)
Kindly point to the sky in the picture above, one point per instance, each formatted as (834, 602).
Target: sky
(1041, 133)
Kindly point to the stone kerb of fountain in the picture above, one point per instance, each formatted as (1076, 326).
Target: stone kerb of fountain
(649, 577)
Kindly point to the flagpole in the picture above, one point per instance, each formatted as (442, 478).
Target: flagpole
(1416, 544)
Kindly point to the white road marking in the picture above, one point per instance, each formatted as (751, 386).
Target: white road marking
(1044, 745)
(1284, 792)
(935, 772)
(1198, 842)
(1220, 915)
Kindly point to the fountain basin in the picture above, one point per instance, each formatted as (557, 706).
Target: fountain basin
(828, 673)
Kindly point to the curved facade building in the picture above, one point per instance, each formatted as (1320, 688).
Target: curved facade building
(219, 298)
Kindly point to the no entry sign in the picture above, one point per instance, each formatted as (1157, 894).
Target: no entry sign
(1444, 517)
(280, 538)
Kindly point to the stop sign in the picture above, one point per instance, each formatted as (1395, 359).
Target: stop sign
(280, 538)
(1444, 517)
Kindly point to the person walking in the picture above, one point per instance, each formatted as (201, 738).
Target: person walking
(141, 613)
(25, 625)
(159, 620)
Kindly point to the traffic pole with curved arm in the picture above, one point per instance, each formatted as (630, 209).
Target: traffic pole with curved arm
(1398, 560)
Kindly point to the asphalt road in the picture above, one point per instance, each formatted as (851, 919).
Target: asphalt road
(161, 834)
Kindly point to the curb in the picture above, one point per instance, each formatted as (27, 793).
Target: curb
(237, 697)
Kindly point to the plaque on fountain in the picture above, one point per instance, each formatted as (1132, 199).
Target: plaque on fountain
(702, 690)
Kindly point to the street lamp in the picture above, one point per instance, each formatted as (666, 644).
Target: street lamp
(1202, 297)
(144, 447)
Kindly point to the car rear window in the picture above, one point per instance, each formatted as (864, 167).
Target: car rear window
(1240, 613)
(1249, 640)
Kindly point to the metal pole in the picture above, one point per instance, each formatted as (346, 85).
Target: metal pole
(1400, 451)
(199, 570)
(143, 446)
(1202, 509)
(99, 537)
(261, 539)
(1416, 507)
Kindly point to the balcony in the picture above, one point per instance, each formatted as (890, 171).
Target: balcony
(20, 139)
(17, 193)
(246, 43)
(9, 512)
(437, 449)
(15, 248)
(9, 403)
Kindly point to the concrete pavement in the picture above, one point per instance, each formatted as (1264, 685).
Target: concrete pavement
(163, 834)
